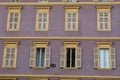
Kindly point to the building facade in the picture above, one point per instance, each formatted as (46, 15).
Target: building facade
(59, 39)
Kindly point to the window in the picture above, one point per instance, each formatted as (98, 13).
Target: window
(102, 0)
(42, 18)
(43, 0)
(69, 0)
(13, 18)
(103, 18)
(40, 55)
(10, 55)
(14, 0)
(71, 19)
(104, 56)
(70, 55)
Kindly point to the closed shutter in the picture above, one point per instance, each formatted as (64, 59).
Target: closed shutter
(113, 58)
(96, 58)
(62, 57)
(64, 0)
(47, 56)
(78, 57)
(95, 0)
(111, 0)
(32, 57)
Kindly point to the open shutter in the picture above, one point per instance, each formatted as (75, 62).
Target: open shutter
(95, 0)
(78, 57)
(113, 58)
(62, 57)
(47, 56)
(32, 57)
(96, 58)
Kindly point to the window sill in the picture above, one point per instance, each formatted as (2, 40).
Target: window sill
(104, 68)
(75, 68)
(39, 67)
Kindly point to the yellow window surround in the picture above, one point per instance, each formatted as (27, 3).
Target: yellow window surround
(104, 44)
(41, 44)
(71, 44)
(73, 9)
(10, 45)
(107, 10)
(16, 9)
(41, 9)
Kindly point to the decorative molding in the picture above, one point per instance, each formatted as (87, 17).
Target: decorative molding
(103, 7)
(71, 44)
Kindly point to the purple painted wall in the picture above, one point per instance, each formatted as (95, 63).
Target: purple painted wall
(87, 28)
(87, 59)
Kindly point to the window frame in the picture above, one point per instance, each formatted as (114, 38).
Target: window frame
(14, 10)
(105, 45)
(40, 45)
(43, 1)
(71, 45)
(10, 45)
(38, 10)
(15, 1)
(104, 9)
(75, 10)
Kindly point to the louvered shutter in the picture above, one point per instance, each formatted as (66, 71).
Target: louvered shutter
(62, 57)
(64, 0)
(113, 58)
(47, 56)
(74, 0)
(78, 57)
(96, 58)
(32, 57)
(111, 0)
(95, 0)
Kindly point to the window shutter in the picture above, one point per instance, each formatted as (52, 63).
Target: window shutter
(113, 58)
(95, 0)
(32, 57)
(111, 0)
(47, 56)
(78, 57)
(62, 57)
(64, 0)
(96, 58)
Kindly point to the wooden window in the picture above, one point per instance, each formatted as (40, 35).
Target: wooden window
(69, 0)
(103, 18)
(10, 55)
(42, 18)
(103, 0)
(40, 55)
(13, 18)
(104, 56)
(70, 55)
(71, 19)
(43, 0)
(15, 1)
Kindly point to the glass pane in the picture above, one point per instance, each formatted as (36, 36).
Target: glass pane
(10, 27)
(101, 25)
(44, 25)
(40, 25)
(74, 14)
(7, 62)
(42, 56)
(11, 19)
(16, 19)
(106, 25)
(45, 14)
(101, 14)
(68, 58)
(40, 14)
(45, 19)
(73, 19)
(101, 19)
(69, 25)
(11, 62)
(15, 25)
(105, 14)
(73, 25)
(16, 15)
(106, 19)
(11, 15)
(69, 19)
(40, 19)
(73, 57)
(69, 14)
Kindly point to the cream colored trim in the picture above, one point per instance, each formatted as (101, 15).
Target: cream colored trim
(68, 10)
(55, 76)
(10, 45)
(7, 78)
(16, 10)
(57, 3)
(104, 9)
(40, 10)
(59, 38)
(39, 45)
(104, 45)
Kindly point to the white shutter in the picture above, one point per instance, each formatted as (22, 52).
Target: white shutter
(32, 57)
(62, 57)
(96, 58)
(113, 58)
(64, 0)
(74, 0)
(111, 0)
(78, 57)
(95, 0)
(47, 56)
